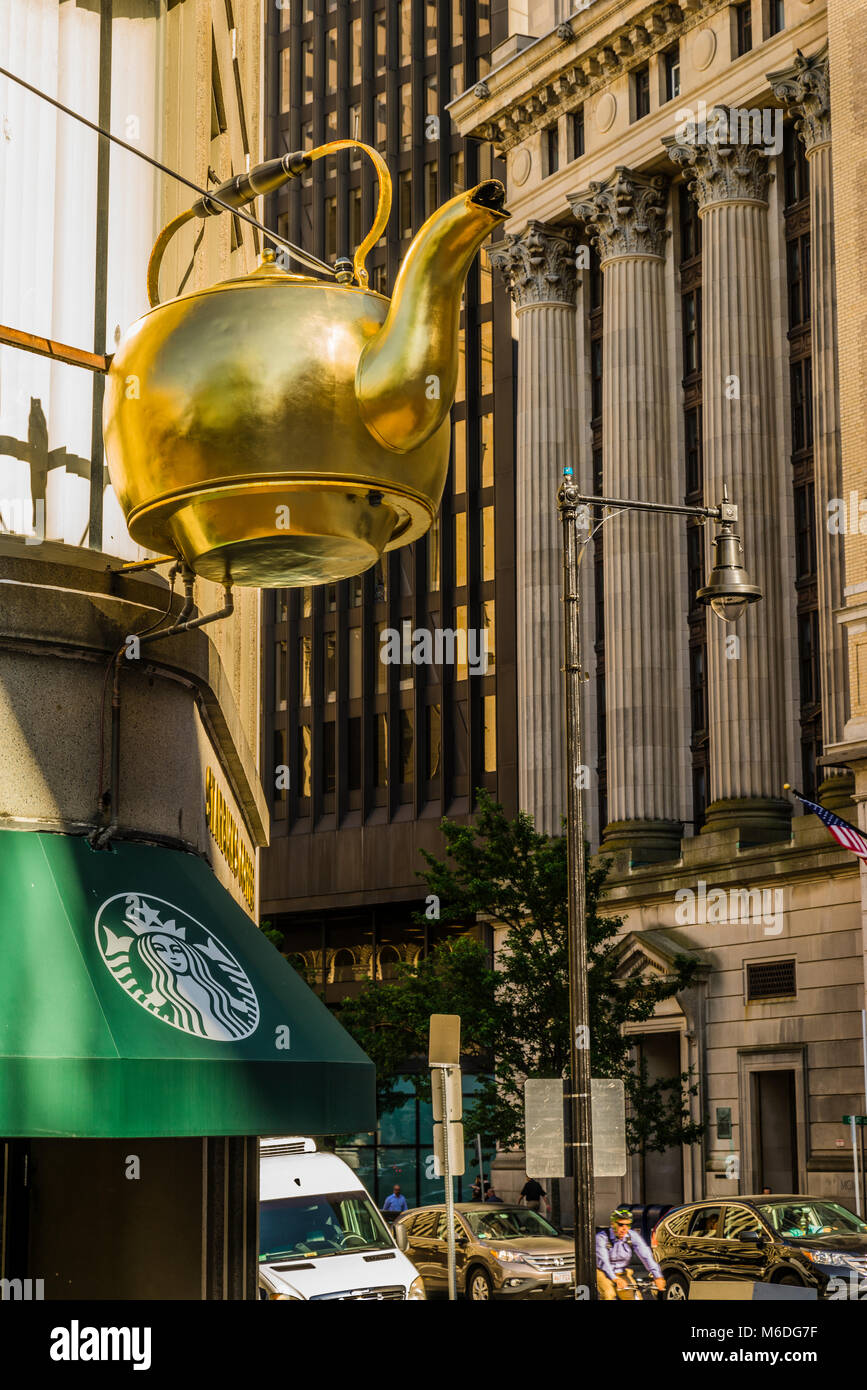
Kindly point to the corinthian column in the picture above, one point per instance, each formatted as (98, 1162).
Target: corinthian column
(804, 89)
(745, 664)
(538, 266)
(644, 605)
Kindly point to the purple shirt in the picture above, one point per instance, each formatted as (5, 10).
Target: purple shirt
(614, 1260)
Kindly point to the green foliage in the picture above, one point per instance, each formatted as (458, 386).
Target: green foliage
(515, 1017)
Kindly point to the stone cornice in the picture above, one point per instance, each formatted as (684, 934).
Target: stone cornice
(804, 89)
(722, 174)
(561, 70)
(538, 265)
(625, 214)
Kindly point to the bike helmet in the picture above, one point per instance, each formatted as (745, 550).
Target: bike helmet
(621, 1214)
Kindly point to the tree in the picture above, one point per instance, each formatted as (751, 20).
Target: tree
(515, 1016)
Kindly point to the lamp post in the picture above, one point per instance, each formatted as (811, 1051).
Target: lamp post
(728, 592)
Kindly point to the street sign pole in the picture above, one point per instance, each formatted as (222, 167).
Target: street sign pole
(444, 1056)
(855, 1165)
(450, 1193)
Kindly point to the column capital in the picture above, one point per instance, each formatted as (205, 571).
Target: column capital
(721, 173)
(625, 213)
(538, 265)
(805, 90)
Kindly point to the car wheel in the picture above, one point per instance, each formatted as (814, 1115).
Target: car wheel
(790, 1277)
(676, 1288)
(479, 1287)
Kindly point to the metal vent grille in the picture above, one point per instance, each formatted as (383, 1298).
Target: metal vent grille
(770, 979)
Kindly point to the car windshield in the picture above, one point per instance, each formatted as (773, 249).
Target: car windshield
(811, 1219)
(509, 1224)
(340, 1223)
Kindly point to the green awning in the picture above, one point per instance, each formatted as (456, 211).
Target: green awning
(138, 1000)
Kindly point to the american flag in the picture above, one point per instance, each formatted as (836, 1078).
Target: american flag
(844, 833)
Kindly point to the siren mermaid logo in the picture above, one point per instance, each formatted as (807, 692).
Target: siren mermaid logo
(175, 968)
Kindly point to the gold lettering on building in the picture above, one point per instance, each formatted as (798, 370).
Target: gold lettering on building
(224, 828)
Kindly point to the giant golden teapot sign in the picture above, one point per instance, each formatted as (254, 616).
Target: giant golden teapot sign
(279, 429)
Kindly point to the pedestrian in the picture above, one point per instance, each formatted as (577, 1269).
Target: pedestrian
(614, 1250)
(532, 1193)
(480, 1187)
(395, 1203)
(492, 1196)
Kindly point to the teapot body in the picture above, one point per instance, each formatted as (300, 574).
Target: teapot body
(233, 435)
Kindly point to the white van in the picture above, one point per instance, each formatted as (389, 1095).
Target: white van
(320, 1235)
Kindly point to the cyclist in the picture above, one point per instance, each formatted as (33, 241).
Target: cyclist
(614, 1250)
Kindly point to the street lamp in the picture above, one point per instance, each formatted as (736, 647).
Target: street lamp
(728, 592)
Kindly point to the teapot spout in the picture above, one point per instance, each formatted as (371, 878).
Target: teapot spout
(406, 377)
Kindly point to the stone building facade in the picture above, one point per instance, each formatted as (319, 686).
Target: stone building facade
(676, 263)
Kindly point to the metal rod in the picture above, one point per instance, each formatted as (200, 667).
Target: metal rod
(305, 257)
(569, 500)
(852, 1128)
(583, 499)
(447, 1178)
(48, 347)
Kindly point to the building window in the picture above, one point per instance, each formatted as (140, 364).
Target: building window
(489, 714)
(280, 675)
(641, 92)
(433, 556)
(331, 59)
(330, 667)
(381, 746)
(432, 741)
(576, 125)
(692, 434)
(805, 532)
(796, 168)
(801, 378)
(743, 14)
(596, 379)
(285, 84)
(307, 68)
(798, 266)
(355, 52)
(305, 744)
(405, 32)
(407, 748)
(671, 72)
(486, 357)
(691, 313)
(552, 149)
(329, 744)
(488, 566)
(487, 451)
(457, 184)
(330, 227)
(457, 23)
(404, 202)
(379, 45)
(405, 97)
(430, 188)
(776, 10)
(355, 230)
(305, 670)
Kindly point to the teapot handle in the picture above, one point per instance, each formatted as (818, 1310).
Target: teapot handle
(383, 206)
(380, 221)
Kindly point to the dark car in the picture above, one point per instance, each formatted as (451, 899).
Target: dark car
(500, 1252)
(773, 1240)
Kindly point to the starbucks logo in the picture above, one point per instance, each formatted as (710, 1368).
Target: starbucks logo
(175, 968)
